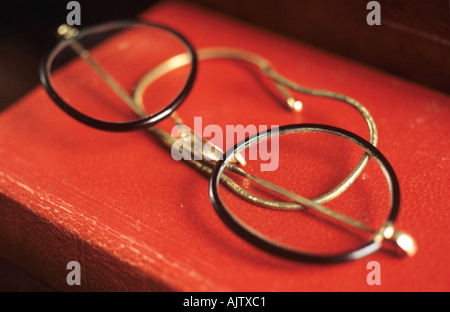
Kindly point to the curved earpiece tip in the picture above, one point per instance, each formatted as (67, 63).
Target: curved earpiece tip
(405, 243)
(295, 104)
(67, 32)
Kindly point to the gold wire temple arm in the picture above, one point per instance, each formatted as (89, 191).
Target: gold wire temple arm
(403, 242)
(282, 84)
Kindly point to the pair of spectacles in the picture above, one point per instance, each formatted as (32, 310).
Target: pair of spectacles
(161, 68)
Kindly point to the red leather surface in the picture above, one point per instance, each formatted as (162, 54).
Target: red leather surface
(135, 219)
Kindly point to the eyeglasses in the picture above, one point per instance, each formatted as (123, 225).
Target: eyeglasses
(161, 68)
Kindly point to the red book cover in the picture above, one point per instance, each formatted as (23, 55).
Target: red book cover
(135, 219)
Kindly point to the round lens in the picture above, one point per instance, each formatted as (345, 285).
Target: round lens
(271, 203)
(103, 65)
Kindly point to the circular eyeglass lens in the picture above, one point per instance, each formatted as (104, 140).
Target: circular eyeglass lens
(96, 71)
(272, 200)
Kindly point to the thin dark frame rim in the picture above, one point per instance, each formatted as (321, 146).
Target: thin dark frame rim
(149, 121)
(279, 250)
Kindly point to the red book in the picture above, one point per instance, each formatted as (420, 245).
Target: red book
(135, 219)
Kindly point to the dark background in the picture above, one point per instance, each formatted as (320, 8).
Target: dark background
(28, 31)
(412, 42)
